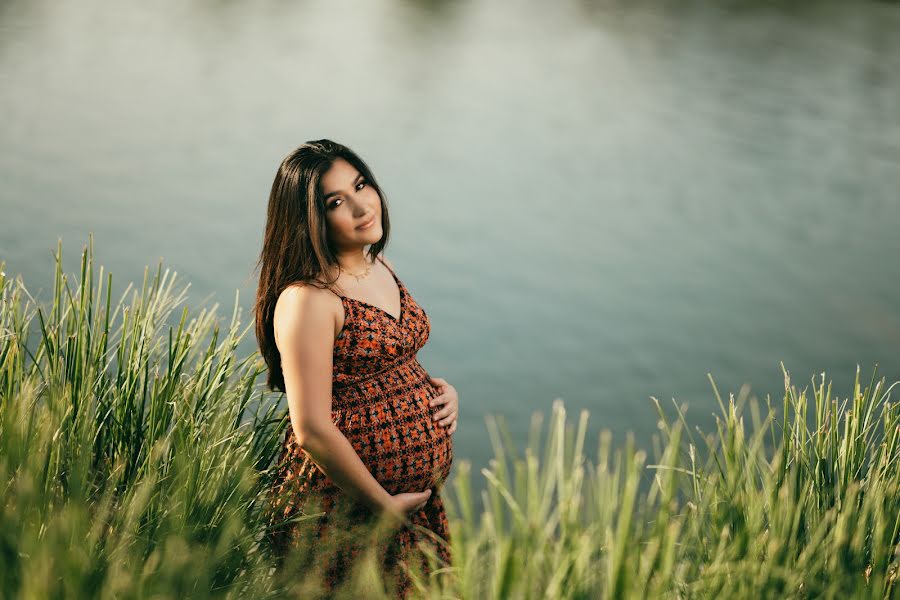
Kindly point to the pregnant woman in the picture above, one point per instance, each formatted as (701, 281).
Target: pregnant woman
(370, 431)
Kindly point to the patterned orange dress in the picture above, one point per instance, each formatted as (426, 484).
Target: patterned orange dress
(380, 396)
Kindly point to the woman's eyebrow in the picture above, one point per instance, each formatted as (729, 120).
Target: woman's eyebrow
(330, 194)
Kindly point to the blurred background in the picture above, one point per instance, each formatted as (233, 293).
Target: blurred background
(594, 201)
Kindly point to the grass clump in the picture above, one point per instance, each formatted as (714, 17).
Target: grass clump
(136, 453)
(127, 446)
(782, 509)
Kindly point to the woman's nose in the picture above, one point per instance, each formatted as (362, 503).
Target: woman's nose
(359, 209)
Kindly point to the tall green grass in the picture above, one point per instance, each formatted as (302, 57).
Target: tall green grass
(136, 451)
(127, 454)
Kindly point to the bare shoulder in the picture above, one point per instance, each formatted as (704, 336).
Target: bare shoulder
(305, 306)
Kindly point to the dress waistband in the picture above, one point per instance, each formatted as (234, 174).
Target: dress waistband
(378, 386)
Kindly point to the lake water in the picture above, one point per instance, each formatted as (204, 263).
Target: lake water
(596, 201)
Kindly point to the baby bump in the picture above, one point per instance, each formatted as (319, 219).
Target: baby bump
(399, 442)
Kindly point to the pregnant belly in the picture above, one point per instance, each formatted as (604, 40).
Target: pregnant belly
(399, 442)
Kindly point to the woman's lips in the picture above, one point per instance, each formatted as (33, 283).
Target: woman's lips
(367, 225)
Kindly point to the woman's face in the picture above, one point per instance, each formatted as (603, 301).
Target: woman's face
(350, 201)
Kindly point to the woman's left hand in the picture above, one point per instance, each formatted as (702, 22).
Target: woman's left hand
(448, 397)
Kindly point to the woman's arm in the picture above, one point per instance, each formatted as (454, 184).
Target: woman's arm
(304, 334)
(334, 454)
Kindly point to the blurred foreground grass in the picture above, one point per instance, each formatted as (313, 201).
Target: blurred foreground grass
(136, 451)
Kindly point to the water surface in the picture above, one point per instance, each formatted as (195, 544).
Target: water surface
(592, 201)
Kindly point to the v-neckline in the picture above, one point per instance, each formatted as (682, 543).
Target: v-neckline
(397, 319)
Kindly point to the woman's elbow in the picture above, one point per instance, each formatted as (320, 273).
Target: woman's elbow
(307, 433)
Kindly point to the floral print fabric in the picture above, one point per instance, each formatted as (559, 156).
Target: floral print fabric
(380, 396)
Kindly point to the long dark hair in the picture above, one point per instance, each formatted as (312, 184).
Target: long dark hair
(296, 247)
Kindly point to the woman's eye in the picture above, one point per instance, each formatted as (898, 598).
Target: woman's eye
(335, 203)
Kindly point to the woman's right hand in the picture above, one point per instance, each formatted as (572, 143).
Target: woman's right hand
(404, 503)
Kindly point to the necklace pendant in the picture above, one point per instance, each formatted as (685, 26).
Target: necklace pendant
(360, 277)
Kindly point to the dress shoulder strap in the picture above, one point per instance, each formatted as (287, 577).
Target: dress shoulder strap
(330, 289)
(386, 265)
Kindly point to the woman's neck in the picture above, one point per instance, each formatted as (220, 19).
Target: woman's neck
(354, 261)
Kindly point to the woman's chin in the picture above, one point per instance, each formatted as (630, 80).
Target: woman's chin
(373, 234)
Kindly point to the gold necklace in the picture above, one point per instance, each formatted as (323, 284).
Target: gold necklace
(358, 277)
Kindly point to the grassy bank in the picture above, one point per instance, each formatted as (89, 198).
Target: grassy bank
(136, 450)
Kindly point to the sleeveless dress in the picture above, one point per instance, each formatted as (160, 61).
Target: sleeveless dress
(379, 401)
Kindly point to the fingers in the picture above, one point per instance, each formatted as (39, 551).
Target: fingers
(452, 428)
(445, 415)
(447, 410)
(421, 505)
(438, 400)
